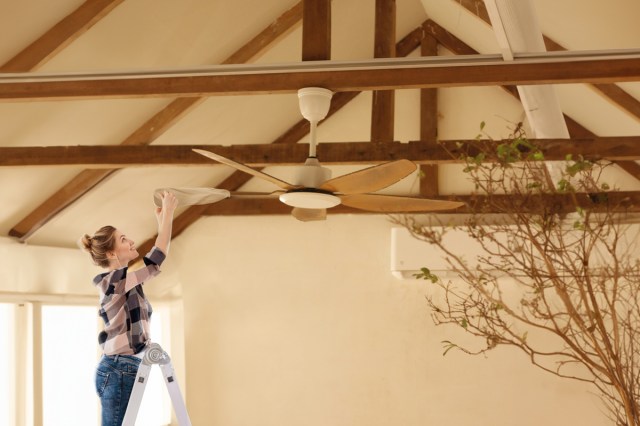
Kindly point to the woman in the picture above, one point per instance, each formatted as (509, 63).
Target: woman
(124, 307)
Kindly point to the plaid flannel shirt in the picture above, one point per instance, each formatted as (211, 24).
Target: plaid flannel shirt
(124, 308)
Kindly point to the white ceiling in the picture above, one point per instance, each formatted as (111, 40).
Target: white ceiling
(155, 34)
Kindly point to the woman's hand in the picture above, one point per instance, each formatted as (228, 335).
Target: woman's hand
(169, 204)
(164, 215)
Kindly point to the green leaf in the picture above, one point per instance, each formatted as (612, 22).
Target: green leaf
(426, 274)
(538, 156)
(448, 346)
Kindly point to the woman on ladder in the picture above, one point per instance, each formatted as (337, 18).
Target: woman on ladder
(124, 307)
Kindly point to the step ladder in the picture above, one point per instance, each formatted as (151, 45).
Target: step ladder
(154, 354)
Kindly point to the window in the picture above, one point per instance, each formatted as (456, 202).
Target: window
(7, 361)
(69, 357)
(48, 357)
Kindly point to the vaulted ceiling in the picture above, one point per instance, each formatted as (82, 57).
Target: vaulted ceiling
(102, 101)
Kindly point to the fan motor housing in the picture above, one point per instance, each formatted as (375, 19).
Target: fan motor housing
(310, 198)
(312, 174)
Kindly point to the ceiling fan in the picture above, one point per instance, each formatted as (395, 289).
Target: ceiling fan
(313, 191)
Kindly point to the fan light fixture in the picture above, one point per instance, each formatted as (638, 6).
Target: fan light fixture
(310, 200)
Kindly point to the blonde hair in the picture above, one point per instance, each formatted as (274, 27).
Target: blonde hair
(99, 245)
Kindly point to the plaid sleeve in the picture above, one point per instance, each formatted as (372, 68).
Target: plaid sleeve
(155, 257)
(151, 268)
(120, 282)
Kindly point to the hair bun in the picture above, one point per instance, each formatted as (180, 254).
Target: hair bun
(86, 242)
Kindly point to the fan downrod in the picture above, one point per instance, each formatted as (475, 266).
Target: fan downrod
(314, 105)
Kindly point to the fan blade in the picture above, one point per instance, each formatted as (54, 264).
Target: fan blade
(371, 179)
(192, 196)
(308, 215)
(396, 204)
(257, 173)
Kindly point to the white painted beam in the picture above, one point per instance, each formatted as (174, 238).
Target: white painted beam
(517, 31)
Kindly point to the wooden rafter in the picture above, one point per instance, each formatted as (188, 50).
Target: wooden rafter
(148, 131)
(429, 122)
(383, 101)
(316, 30)
(614, 148)
(377, 74)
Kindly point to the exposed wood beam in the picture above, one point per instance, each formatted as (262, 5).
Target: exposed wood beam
(376, 74)
(383, 101)
(429, 122)
(613, 148)
(476, 7)
(60, 36)
(148, 131)
(610, 91)
(566, 203)
(621, 98)
(316, 30)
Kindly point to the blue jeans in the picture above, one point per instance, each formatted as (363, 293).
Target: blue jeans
(115, 377)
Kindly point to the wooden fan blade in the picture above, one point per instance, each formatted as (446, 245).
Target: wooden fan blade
(371, 179)
(192, 196)
(257, 173)
(396, 204)
(308, 215)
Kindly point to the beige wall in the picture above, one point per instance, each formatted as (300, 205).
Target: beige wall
(63, 274)
(44, 270)
(290, 323)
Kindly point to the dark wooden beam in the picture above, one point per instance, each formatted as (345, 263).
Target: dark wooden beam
(377, 74)
(429, 123)
(157, 125)
(59, 36)
(614, 148)
(476, 7)
(316, 30)
(621, 98)
(383, 101)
